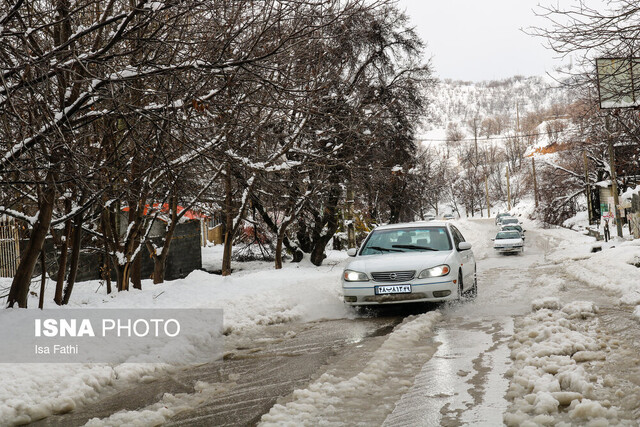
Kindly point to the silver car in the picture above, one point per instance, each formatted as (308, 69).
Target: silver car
(514, 227)
(508, 220)
(508, 242)
(413, 262)
(500, 216)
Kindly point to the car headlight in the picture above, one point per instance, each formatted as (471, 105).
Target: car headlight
(441, 270)
(355, 276)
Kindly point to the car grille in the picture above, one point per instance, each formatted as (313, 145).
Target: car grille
(393, 276)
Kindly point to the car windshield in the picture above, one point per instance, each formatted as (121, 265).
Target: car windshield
(512, 228)
(419, 239)
(510, 220)
(507, 235)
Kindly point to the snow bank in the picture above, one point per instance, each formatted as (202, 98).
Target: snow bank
(372, 392)
(611, 270)
(160, 412)
(475, 233)
(252, 296)
(577, 222)
(31, 392)
(549, 381)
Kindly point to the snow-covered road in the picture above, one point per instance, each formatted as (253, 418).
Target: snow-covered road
(544, 343)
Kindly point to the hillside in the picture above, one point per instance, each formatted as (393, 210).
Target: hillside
(456, 103)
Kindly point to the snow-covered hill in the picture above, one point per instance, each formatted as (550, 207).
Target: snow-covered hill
(458, 102)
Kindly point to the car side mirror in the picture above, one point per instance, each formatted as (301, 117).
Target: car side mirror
(493, 240)
(463, 246)
(352, 252)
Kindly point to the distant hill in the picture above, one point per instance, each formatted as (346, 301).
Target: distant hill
(455, 103)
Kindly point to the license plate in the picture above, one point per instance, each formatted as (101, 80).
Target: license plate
(393, 289)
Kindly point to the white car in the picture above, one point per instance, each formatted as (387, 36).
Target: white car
(508, 220)
(514, 227)
(500, 216)
(412, 262)
(508, 242)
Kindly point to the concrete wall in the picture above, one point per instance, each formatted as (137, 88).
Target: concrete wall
(185, 255)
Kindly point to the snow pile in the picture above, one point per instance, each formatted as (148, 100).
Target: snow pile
(524, 209)
(255, 296)
(475, 233)
(611, 270)
(552, 284)
(34, 391)
(370, 395)
(549, 379)
(160, 412)
(577, 222)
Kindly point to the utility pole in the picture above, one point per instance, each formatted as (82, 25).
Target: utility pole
(586, 180)
(486, 188)
(535, 181)
(508, 190)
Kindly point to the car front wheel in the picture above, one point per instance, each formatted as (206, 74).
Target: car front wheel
(473, 292)
(460, 286)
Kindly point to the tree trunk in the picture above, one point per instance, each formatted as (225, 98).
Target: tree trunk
(62, 263)
(295, 251)
(75, 258)
(106, 273)
(159, 264)
(124, 275)
(317, 254)
(330, 219)
(106, 267)
(228, 226)
(278, 255)
(19, 292)
(226, 254)
(43, 281)
(136, 272)
(160, 260)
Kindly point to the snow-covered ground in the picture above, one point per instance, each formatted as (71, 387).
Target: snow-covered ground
(255, 295)
(550, 348)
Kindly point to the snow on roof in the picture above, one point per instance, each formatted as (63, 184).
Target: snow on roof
(604, 184)
(627, 195)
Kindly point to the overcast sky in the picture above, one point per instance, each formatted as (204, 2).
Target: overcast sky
(481, 39)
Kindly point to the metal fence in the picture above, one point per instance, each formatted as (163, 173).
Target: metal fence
(9, 247)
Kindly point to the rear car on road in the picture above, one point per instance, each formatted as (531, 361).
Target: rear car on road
(508, 220)
(412, 262)
(500, 216)
(508, 242)
(514, 227)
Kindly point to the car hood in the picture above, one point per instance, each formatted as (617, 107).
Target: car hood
(399, 262)
(507, 242)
